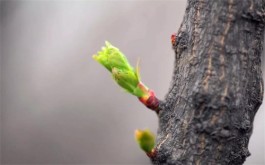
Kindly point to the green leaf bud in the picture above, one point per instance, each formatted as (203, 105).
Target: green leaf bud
(122, 72)
(145, 139)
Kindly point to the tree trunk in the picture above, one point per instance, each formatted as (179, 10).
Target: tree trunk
(217, 87)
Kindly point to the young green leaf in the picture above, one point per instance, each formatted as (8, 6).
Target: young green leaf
(122, 72)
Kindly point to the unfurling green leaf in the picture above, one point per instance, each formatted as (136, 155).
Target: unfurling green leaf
(111, 57)
(122, 72)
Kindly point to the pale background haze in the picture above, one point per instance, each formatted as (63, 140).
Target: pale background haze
(58, 106)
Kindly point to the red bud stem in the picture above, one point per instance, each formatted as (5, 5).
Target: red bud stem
(149, 100)
(152, 154)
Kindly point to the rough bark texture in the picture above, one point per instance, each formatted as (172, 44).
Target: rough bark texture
(217, 87)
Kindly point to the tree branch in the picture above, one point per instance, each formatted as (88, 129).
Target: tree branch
(217, 86)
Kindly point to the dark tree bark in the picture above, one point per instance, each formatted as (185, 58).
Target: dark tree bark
(217, 87)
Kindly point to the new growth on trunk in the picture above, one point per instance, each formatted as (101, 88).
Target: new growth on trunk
(216, 90)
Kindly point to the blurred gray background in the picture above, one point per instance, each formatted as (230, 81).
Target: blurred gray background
(58, 106)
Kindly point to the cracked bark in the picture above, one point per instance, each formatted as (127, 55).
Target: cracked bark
(217, 87)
